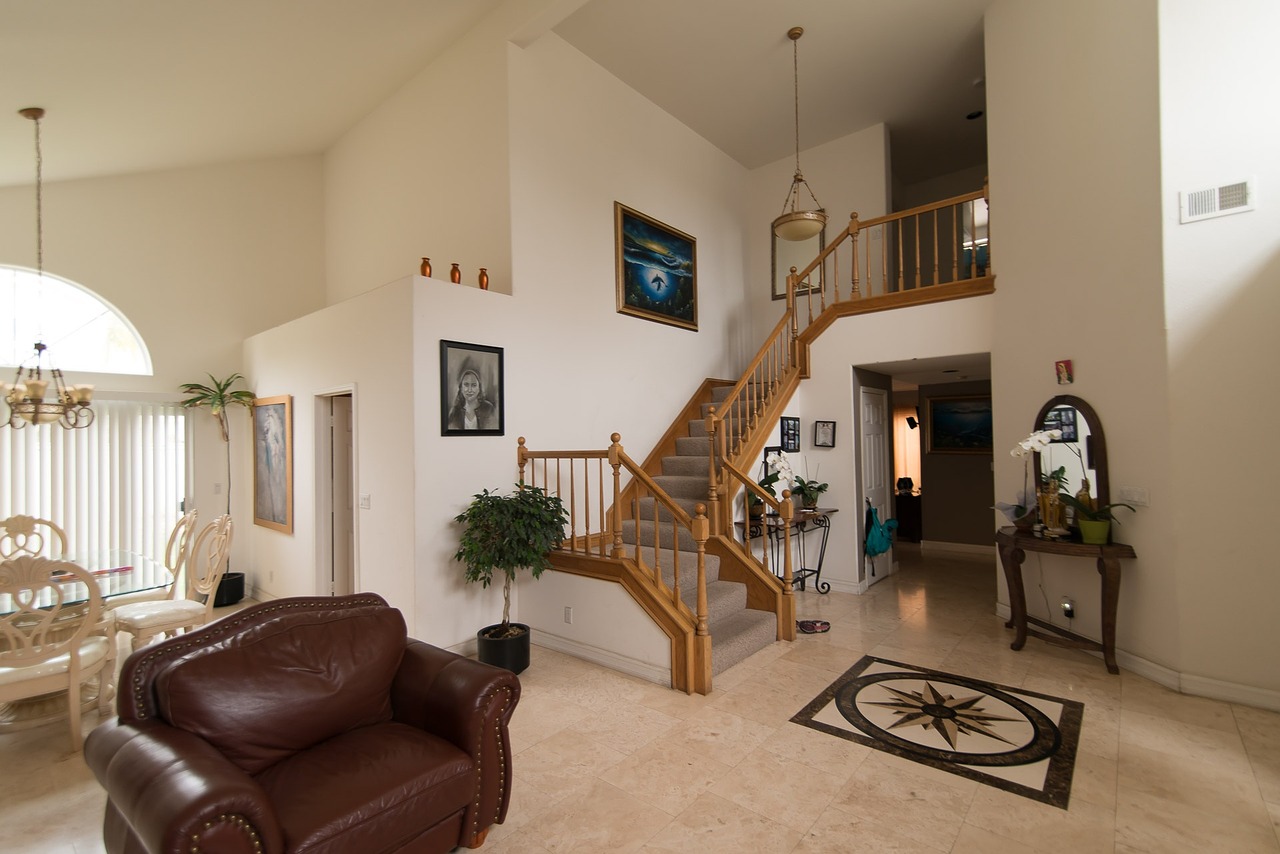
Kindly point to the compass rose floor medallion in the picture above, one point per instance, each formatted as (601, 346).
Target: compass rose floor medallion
(1016, 740)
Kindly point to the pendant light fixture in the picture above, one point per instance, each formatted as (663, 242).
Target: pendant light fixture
(796, 223)
(69, 405)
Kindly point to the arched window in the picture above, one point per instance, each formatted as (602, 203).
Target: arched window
(82, 330)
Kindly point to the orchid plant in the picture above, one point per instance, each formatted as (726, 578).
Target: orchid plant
(779, 472)
(1036, 442)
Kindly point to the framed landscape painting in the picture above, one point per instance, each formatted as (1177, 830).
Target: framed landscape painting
(657, 269)
(959, 425)
(273, 463)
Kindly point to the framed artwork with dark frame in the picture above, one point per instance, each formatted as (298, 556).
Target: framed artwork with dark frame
(471, 390)
(657, 269)
(273, 463)
(824, 434)
(1062, 418)
(790, 429)
(959, 425)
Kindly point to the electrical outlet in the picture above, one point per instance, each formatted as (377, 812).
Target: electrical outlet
(1135, 495)
(365, 501)
(568, 614)
(217, 489)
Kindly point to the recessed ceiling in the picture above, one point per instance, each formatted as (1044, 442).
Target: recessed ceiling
(910, 374)
(140, 85)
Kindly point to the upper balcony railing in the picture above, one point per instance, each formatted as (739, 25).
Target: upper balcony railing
(929, 253)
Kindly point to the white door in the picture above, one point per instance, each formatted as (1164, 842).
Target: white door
(343, 571)
(873, 404)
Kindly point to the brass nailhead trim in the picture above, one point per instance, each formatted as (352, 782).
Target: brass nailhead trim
(232, 818)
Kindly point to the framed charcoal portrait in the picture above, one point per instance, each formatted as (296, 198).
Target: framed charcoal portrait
(657, 269)
(471, 390)
(273, 463)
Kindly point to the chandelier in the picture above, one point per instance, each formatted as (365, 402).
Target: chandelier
(796, 223)
(26, 397)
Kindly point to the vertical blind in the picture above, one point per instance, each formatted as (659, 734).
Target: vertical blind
(118, 484)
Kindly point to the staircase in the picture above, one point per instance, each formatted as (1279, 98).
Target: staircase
(665, 530)
(736, 630)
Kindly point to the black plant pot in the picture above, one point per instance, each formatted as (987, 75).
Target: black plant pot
(509, 653)
(230, 590)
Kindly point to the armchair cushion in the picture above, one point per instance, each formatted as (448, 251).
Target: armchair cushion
(287, 684)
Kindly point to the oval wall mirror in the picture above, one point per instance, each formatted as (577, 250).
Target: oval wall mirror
(1082, 448)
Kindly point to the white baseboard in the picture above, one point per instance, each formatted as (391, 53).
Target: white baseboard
(623, 664)
(931, 547)
(1199, 686)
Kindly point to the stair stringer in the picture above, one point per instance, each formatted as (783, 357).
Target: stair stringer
(690, 654)
(765, 591)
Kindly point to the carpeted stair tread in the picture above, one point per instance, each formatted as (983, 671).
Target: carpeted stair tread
(738, 637)
(689, 465)
(683, 485)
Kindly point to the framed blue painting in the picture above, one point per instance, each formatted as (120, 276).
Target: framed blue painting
(657, 269)
(959, 425)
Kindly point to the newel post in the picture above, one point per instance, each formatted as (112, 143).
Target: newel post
(854, 228)
(700, 527)
(522, 457)
(615, 460)
(787, 605)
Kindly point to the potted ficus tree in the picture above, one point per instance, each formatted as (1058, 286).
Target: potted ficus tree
(505, 534)
(219, 396)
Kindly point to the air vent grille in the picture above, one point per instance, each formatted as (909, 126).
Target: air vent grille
(1216, 201)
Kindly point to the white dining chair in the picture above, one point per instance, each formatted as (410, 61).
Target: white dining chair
(49, 611)
(205, 564)
(27, 535)
(176, 553)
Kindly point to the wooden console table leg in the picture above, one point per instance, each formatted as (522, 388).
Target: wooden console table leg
(1011, 558)
(1109, 569)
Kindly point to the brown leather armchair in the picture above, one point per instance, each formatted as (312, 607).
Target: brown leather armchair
(311, 724)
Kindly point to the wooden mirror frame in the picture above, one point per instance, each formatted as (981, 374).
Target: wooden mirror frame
(1095, 447)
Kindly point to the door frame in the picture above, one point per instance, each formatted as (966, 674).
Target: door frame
(323, 402)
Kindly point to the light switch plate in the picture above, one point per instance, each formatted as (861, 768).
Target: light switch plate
(365, 501)
(1135, 495)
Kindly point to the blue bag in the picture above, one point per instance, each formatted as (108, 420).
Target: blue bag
(879, 534)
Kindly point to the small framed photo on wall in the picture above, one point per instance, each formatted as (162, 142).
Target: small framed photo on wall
(824, 434)
(790, 428)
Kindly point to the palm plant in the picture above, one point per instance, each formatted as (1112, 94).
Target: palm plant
(218, 396)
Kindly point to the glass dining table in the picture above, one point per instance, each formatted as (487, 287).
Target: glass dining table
(120, 575)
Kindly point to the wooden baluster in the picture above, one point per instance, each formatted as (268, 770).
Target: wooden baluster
(521, 456)
(615, 460)
(935, 247)
(713, 487)
(957, 242)
(915, 221)
(675, 562)
(786, 513)
(987, 204)
(701, 531)
(885, 231)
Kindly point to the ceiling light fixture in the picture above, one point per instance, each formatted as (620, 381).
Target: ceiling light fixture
(795, 223)
(26, 397)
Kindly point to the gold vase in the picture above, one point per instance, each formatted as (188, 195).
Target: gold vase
(1050, 507)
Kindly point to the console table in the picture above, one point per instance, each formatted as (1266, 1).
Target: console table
(804, 520)
(1013, 545)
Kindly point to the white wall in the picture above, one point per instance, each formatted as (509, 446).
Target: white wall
(1074, 155)
(848, 175)
(198, 260)
(365, 343)
(1219, 125)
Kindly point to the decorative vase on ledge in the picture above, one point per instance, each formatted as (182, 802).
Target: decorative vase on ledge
(455, 275)
(425, 267)
(484, 279)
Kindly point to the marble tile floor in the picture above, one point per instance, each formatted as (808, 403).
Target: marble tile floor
(608, 763)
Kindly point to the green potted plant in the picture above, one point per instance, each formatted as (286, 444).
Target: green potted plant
(219, 396)
(1094, 522)
(505, 534)
(809, 490)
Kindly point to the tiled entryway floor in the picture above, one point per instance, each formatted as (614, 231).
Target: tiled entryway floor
(607, 763)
